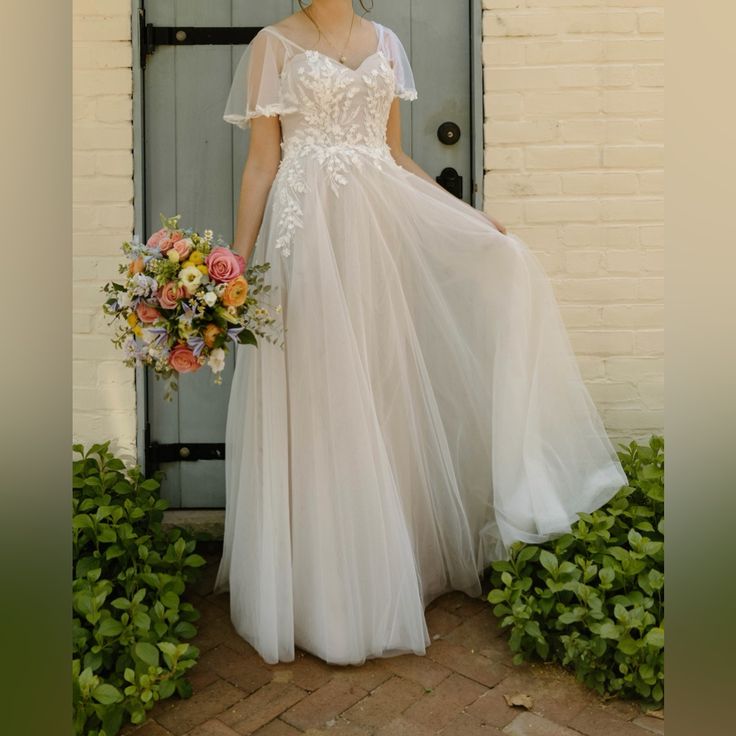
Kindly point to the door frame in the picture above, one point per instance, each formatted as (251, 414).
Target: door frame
(139, 213)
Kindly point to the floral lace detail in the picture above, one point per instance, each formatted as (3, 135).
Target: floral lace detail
(340, 123)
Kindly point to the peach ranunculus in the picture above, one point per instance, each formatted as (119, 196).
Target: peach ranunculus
(224, 265)
(235, 292)
(210, 334)
(136, 266)
(183, 247)
(155, 240)
(170, 295)
(146, 313)
(183, 360)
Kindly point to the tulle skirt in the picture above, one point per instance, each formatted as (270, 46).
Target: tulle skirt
(426, 411)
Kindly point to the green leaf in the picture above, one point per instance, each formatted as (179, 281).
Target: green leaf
(195, 561)
(185, 630)
(110, 627)
(628, 645)
(246, 337)
(107, 694)
(548, 561)
(497, 596)
(82, 521)
(609, 630)
(655, 637)
(166, 689)
(170, 599)
(147, 653)
(168, 647)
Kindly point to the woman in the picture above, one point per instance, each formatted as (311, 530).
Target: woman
(426, 410)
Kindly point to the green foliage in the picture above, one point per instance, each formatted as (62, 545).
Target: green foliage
(129, 576)
(593, 599)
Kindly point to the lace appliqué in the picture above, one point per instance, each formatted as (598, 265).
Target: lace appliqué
(341, 134)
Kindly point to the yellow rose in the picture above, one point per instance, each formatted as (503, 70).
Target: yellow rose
(132, 319)
(196, 258)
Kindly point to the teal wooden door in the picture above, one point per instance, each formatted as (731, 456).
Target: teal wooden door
(193, 162)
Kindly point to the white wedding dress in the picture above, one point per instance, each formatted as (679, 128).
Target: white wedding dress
(427, 409)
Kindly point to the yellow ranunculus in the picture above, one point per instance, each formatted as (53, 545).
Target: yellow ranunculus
(132, 319)
(196, 258)
(138, 330)
(187, 264)
(203, 269)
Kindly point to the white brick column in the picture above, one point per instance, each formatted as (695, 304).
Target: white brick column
(104, 389)
(574, 164)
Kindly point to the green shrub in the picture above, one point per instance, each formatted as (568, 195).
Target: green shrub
(593, 599)
(129, 576)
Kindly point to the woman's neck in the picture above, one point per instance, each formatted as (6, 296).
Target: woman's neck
(331, 13)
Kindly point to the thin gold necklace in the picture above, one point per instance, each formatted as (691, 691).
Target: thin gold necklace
(341, 57)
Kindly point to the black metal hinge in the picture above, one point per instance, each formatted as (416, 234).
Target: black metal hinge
(152, 36)
(183, 451)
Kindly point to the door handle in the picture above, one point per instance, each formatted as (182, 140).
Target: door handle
(449, 133)
(452, 181)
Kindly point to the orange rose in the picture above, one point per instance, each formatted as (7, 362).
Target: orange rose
(210, 334)
(183, 360)
(136, 266)
(146, 313)
(235, 292)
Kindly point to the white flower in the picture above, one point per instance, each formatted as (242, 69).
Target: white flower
(210, 298)
(142, 285)
(208, 235)
(217, 360)
(220, 289)
(124, 300)
(190, 278)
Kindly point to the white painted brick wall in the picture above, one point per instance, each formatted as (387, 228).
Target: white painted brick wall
(574, 165)
(574, 157)
(104, 389)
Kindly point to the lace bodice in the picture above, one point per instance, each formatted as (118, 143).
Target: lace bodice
(329, 112)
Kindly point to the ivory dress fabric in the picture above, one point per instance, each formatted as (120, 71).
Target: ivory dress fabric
(427, 409)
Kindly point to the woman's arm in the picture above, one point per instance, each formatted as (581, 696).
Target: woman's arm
(264, 155)
(393, 138)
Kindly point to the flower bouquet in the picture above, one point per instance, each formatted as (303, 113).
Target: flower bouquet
(185, 297)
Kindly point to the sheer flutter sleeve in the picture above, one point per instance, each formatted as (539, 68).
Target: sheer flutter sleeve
(404, 86)
(256, 87)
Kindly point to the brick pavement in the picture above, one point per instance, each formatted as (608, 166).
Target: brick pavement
(458, 689)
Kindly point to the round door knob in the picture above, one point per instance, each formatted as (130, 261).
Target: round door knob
(449, 133)
(181, 36)
(184, 452)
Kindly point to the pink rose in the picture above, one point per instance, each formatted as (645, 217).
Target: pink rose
(155, 240)
(224, 265)
(183, 248)
(183, 360)
(170, 295)
(146, 313)
(165, 245)
(176, 235)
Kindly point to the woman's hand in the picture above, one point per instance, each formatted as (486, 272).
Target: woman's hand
(501, 228)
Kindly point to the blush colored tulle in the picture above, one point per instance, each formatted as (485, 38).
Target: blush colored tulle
(427, 409)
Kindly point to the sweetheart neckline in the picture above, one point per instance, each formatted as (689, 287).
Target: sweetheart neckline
(340, 65)
(304, 52)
